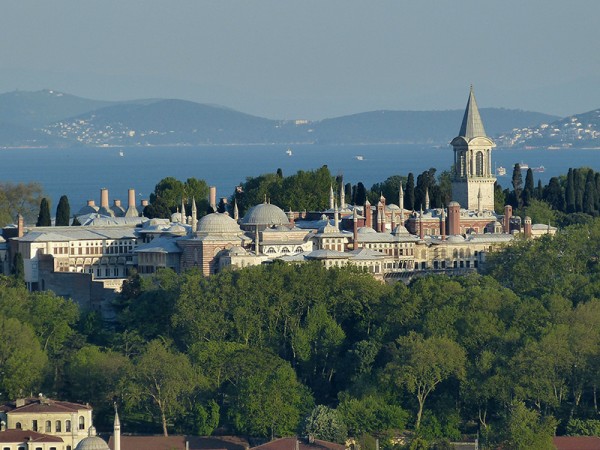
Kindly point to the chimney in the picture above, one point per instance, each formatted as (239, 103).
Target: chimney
(421, 231)
(20, 225)
(393, 221)
(131, 209)
(355, 229)
(212, 197)
(368, 214)
(443, 225)
(453, 218)
(104, 198)
(527, 227)
(507, 217)
(91, 203)
(290, 216)
(117, 203)
(144, 203)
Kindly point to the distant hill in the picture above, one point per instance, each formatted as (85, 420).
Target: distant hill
(35, 109)
(50, 118)
(418, 126)
(581, 130)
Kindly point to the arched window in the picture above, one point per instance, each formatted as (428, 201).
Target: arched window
(285, 250)
(18, 426)
(68, 426)
(48, 426)
(479, 164)
(81, 423)
(57, 426)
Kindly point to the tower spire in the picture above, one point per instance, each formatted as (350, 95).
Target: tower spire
(472, 125)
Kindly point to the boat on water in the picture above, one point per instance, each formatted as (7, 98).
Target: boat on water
(289, 152)
(500, 171)
(121, 153)
(359, 157)
(523, 166)
(538, 169)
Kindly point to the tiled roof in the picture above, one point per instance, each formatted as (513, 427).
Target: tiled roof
(19, 436)
(472, 125)
(35, 405)
(178, 443)
(299, 444)
(576, 442)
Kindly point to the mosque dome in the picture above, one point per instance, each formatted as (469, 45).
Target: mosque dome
(177, 229)
(400, 229)
(236, 250)
(456, 239)
(265, 214)
(92, 442)
(453, 203)
(366, 230)
(218, 223)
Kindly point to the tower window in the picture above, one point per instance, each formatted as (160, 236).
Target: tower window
(479, 164)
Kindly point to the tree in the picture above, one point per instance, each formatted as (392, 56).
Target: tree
(20, 198)
(326, 424)
(267, 400)
(18, 268)
(370, 414)
(529, 190)
(517, 184)
(160, 380)
(63, 212)
(22, 361)
(423, 363)
(44, 215)
(361, 194)
(524, 429)
(570, 192)
(409, 195)
(553, 194)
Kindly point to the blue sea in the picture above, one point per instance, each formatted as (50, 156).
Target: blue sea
(80, 173)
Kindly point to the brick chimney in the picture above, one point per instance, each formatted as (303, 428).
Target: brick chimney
(104, 198)
(453, 218)
(212, 197)
(507, 217)
(527, 227)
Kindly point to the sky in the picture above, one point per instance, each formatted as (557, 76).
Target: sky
(309, 59)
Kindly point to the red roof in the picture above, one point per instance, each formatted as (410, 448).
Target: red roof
(577, 442)
(178, 443)
(19, 436)
(299, 444)
(42, 405)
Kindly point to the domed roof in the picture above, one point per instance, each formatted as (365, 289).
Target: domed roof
(453, 203)
(92, 442)
(366, 230)
(236, 250)
(392, 206)
(456, 239)
(218, 223)
(400, 229)
(265, 214)
(177, 229)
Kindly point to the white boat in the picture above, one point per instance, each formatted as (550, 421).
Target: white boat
(359, 157)
(500, 171)
(289, 152)
(523, 166)
(121, 153)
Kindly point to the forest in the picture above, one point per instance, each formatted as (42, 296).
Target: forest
(511, 355)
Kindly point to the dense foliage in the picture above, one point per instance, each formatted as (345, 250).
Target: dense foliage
(20, 198)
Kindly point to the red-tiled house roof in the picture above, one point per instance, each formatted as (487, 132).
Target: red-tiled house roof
(576, 442)
(299, 444)
(19, 436)
(178, 443)
(41, 405)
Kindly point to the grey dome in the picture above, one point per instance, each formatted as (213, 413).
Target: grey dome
(236, 250)
(265, 214)
(400, 229)
(92, 442)
(218, 223)
(456, 239)
(366, 230)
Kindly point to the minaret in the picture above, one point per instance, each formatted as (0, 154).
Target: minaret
(342, 195)
(426, 199)
(473, 161)
(236, 213)
(330, 196)
(355, 229)
(117, 431)
(183, 214)
(194, 215)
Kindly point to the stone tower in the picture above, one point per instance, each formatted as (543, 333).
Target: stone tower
(473, 162)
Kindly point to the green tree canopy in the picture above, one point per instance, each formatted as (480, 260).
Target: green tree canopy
(63, 212)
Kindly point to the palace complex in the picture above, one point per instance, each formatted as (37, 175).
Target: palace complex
(89, 263)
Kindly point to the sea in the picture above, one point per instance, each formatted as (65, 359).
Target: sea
(80, 173)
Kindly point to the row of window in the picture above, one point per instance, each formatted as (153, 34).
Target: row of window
(57, 426)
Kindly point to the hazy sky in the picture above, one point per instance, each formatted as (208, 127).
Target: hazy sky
(311, 58)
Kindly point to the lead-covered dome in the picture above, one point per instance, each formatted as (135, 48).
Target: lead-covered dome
(92, 442)
(218, 223)
(265, 214)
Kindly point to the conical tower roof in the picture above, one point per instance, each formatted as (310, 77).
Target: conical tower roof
(472, 125)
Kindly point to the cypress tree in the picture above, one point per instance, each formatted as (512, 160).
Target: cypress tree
(361, 194)
(553, 194)
(597, 182)
(409, 194)
(579, 185)
(570, 193)
(528, 191)
(63, 212)
(18, 268)
(517, 183)
(44, 215)
(348, 191)
(539, 193)
(589, 198)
